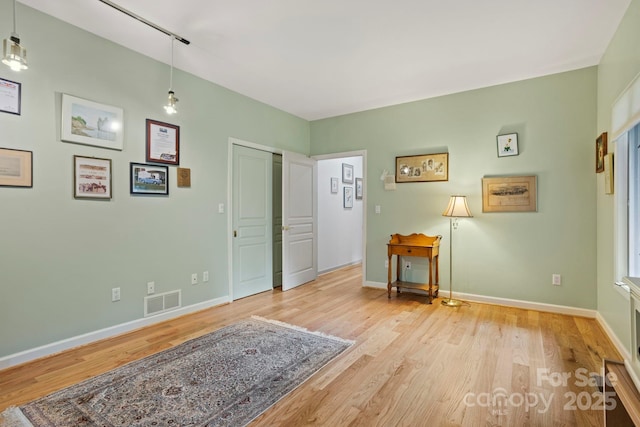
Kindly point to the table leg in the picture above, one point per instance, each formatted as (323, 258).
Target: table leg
(430, 280)
(389, 277)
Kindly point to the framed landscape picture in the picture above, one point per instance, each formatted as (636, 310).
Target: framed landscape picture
(149, 179)
(509, 194)
(16, 168)
(91, 178)
(90, 123)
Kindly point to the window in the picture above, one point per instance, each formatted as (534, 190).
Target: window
(627, 206)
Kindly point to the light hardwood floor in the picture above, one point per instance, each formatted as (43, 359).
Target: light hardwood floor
(413, 364)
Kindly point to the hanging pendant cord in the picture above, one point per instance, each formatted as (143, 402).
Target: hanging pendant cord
(171, 75)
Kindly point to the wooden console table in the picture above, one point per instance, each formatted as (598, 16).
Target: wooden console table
(417, 245)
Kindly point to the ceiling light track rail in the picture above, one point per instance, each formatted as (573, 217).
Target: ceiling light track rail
(144, 21)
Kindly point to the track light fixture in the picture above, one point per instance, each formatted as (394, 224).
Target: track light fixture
(14, 55)
(170, 108)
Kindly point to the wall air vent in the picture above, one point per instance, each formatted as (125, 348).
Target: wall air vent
(160, 303)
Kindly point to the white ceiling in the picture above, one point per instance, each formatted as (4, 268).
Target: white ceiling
(318, 59)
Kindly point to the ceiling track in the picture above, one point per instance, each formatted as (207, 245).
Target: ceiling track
(144, 21)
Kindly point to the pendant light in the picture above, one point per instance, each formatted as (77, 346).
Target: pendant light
(14, 55)
(170, 108)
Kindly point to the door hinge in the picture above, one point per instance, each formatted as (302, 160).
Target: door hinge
(235, 233)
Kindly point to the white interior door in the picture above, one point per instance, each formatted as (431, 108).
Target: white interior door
(299, 220)
(252, 221)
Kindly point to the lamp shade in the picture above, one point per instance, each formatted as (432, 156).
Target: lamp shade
(457, 207)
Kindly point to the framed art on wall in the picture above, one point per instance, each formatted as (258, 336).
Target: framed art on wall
(149, 179)
(509, 194)
(507, 145)
(91, 178)
(163, 142)
(90, 123)
(334, 185)
(16, 168)
(347, 197)
(359, 189)
(347, 173)
(601, 151)
(423, 168)
(10, 96)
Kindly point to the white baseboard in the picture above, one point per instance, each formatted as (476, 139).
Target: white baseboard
(538, 306)
(619, 345)
(338, 267)
(66, 344)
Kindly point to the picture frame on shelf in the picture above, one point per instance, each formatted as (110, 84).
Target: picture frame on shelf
(147, 178)
(507, 145)
(601, 151)
(509, 194)
(92, 178)
(91, 123)
(359, 189)
(10, 96)
(347, 173)
(16, 168)
(334, 185)
(163, 142)
(347, 197)
(422, 168)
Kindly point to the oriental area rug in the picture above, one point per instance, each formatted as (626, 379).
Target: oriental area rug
(225, 378)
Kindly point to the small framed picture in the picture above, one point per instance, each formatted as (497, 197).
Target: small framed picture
(347, 173)
(358, 188)
(90, 123)
(184, 177)
(16, 168)
(10, 96)
(163, 143)
(348, 197)
(91, 178)
(601, 151)
(507, 145)
(334, 185)
(509, 194)
(149, 179)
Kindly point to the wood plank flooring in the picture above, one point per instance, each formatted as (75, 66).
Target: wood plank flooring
(413, 364)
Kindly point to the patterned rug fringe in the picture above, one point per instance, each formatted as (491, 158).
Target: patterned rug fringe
(13, 417)
(301, 329)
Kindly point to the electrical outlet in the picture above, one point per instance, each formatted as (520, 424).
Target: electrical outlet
(205, 276)
(115, 294)
(151, 287)
(194, 279)
(386, 263)
(407, 265)
(556, 280)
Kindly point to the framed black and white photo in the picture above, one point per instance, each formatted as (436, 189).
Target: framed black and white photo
(149, 179)
(359, 189)
(16, 168)
(347, 173)
(422, 168)
(163, 142)
(348, 197)
(507, 145)
(334, 185)
(10, 96)
(91, 178)
(90, 123)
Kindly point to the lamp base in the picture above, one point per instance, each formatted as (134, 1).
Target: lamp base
(450, 302)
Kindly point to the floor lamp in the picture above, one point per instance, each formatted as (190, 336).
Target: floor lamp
(457, 209)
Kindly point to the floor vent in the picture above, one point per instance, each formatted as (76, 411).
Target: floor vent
(159, 303)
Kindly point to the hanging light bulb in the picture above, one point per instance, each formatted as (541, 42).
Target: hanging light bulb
(170, 108)
(14, 55)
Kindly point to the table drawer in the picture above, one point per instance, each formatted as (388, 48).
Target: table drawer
(411, 251)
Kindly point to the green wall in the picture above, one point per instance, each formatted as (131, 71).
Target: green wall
(507, 255)
(618, 67)
(60, 257)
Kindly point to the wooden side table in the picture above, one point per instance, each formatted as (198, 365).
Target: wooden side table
(417, 245)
